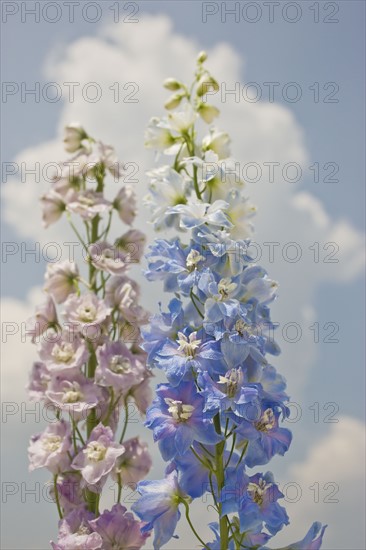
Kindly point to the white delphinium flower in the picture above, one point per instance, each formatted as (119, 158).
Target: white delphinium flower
(167, 188)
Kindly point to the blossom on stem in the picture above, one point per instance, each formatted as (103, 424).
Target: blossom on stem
(97, 459)
(117, 528)
(117, 367)
(158, 507)
(86, 313)
(134, 464)
(50, 448)
(125, 204)
(108, 258)
(177, 419)
(61, 279)
(44, 318)
(63, 350)
(75, 532)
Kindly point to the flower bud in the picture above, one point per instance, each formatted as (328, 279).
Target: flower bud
(202, 56)
(207, 84)
(173, 102)
(172, 84)
(208, 112)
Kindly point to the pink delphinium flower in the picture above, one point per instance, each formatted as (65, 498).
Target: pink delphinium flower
(125, 204)
(49, 449)
(119, 529)
(44, 318)
(88, 204)
(117, 367)
(98, 458)
(66, 350)
(134, 464)
(86, 312)
(132, 243)
(60, 280)
(75, 394)
(108, 258)
(75, 533)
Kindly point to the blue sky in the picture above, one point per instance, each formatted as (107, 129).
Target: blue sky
(305, 132)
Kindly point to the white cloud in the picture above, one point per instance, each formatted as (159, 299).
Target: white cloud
(330, 483)
(17, 353)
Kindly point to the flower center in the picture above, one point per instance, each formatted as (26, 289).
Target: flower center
(266, 422)
(95, 451)
(179, 411)
(86, 200)
(119, 365)
(63, 353)
(86, 312)
(257, 490)
(226, 287)
(188, 345)
(72, 395)
(51, 443)
(241, 326)
(193, 258)
(83, 529)
(109, 254)
(233, 380)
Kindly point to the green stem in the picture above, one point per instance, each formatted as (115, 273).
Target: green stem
(195, 305)
(231, 451)
(91, 420)
(191, 149)
(110, 408)
(75, 427)
(186, 505)
(245, 446)
(220, 448)
(72, 225)
(96, 505)
(119, 480)
(104, 235)
(204, 464)
(125, 423)
(57, 500)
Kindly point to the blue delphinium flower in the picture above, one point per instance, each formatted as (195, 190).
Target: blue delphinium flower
(162, 326)
(158, 507)
(188, 355)
(227, 393)
(312, 540)
(177, 419)
(263, 437)
(254, 499)
(177, 265)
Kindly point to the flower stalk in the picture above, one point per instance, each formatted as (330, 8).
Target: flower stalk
(88, 371)
(219, 412)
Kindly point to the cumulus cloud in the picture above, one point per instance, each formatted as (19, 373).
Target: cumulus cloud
(327, 484)
(17, 353)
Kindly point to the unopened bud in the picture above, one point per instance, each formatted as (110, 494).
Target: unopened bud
(202, 56)
(173, 102)
(172, 84)
(207, 84)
